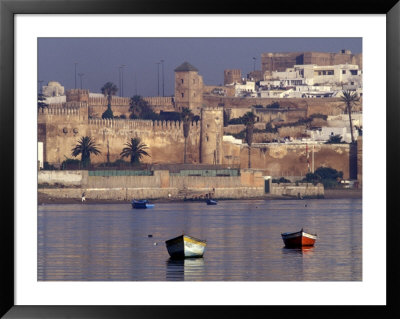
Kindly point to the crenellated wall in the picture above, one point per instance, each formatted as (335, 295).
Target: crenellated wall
(60, 126)
(60, 129)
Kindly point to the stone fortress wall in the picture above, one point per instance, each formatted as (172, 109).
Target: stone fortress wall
(60, 129)
(61, 126)
(232, 76)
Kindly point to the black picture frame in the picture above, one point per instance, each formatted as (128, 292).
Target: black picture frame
(9, 8)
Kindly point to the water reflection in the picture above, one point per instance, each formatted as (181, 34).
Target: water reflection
(110, 242)
(298, 251)
(190, 269)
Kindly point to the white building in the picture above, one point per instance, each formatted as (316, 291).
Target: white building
(326, 132)
(247, 88)
(342, 120)
(311, 74)
(53, 88)
(280, 94)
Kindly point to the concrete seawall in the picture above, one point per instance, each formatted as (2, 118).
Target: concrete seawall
(127, 194)
(162, 185)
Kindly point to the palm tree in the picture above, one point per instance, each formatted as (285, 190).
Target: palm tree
(42, 101)
(109, 89)
(249, 119)
(134, 149)
(350, 98)
(186, 117)
(86, 146)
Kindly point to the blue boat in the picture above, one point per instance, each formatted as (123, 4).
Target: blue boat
(211, 202)
(141, 204)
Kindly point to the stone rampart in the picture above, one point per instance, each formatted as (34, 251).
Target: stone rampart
(297, 190)
(289, 159)
(325, 106)
(65, 178)
(250, 184)
(159, 101)
(61, 114)
(115, 100)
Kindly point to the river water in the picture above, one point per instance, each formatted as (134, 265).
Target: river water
(113, 242)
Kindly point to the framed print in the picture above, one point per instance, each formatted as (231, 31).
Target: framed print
(198, 160)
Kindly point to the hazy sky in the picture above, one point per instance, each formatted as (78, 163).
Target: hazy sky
(99, 59)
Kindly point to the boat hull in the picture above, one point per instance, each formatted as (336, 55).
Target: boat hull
(185, 247)
(141, 204)
(298, 239)
(211, 202)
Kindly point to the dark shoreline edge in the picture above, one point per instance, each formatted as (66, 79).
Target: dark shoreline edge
(329, 194)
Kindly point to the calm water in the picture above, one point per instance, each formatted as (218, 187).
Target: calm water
(110, 241)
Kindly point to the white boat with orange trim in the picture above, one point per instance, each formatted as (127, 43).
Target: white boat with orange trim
(298, 239)
(185, 246)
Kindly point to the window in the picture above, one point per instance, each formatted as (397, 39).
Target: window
(182, 80)
(182, 94)
(194, 81)
(343, 71)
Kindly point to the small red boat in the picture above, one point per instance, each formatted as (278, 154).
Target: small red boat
(298, 239)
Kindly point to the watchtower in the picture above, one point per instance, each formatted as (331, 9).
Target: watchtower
(212, 125)
(232, 76)
(188, 88)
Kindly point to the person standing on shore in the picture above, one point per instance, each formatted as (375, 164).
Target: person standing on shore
(83, 197)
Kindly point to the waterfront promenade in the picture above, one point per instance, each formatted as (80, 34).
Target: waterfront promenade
(329, 194)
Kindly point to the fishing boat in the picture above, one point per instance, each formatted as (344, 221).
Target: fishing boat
(185, 246)
(298, 239)
(211, 202)
(141, 204)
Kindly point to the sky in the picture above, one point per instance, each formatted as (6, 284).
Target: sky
(99, 60)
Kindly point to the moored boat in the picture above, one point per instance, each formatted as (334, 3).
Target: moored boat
(141, 204)
(185, 246)
(298, 239)
(211, 201)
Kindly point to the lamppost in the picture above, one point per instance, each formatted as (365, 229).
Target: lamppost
(119, 79)
(162, 70)
(158, 78)
(75, 72)
(135, 84)
(122, 79)
(80, 76)
(40, 86)
(254, 63)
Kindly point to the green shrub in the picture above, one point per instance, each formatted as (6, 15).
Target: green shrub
(329, 177)
(108, 114)
(335, 139)
(48, 166)
(280, 180)
(274, 105)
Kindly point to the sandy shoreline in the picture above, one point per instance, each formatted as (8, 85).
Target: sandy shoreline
(329, 194)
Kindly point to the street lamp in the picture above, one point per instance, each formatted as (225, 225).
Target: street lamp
(119, 79)
(80, 76)
(162, 70)
(122, 79)
(158, 78)
(254, 63)
(40, 86)
(75, 72)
